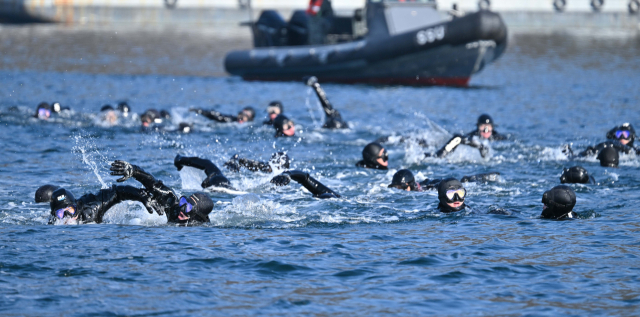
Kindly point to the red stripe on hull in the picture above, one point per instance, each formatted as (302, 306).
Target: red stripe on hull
(432, 81)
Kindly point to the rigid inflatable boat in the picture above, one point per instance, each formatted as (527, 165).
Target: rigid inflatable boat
(387, 42)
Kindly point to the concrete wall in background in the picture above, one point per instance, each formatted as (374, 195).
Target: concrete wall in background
(225, 15)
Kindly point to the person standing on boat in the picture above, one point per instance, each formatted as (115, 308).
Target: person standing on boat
(320, 15)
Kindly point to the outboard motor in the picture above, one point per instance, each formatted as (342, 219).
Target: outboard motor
(299, 28)
(270, 30)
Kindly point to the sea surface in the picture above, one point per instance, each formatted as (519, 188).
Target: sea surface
(279, 251)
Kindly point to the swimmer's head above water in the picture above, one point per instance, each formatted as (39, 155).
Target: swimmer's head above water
(196, 207)
(43, 112)
(625, 133)
(246, 115)
(375, 155)
(485, 126)
(573, 175)
(451, 194)
(43, 194)
(63, 206)
(609, 157)
(274, 109)
(558, 202)
(403, 179)
(284, 126)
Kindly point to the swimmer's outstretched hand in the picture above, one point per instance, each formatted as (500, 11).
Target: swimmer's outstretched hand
(232, 163)
(177, 162)
(310, 81)
(281, 180)
(121, 168)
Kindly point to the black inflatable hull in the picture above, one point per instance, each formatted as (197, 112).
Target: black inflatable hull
(443, 54)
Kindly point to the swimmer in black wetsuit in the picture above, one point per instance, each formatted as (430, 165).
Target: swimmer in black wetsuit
(374, 156)
(609, 157)
(215, 178)
(43, 112)
(485, 131)
(184, 210)
(155, 196)
(404, 179)
(284, 126)
(311, 184)
(278, 160)
(124, 109)
(273, 110)
(245, 115)
(451, 195)
(576, 175)
(558, 203)
(621, 138)
(43, 194)
(333, 119)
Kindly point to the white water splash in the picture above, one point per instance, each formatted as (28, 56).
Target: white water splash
(90, 154)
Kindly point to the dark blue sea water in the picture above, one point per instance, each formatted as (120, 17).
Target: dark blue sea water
(375, 251)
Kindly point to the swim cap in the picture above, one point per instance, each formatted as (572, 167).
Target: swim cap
(248, 112)
(445, 186)
(124, 108)
(165, 114)
(150, 116)
(576, 174)
(280, 160)
(202, 205)
(370, 153)
(485, 119)
(559, 201)
(43, 194)
(43, 111)
(61, 198)
(609, 157)
(106, 108)
(403, 179)
(216, 180)
(275, 104)
(280, 123)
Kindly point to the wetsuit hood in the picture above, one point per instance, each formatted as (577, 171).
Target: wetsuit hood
(576, 174)
(443, 187)
(43, 194)
(623, 127)
(47, 110)
(124, 108)
(276, 104)
(249, 112)
(202, 205)
(106, 108)
(402, 179)
(216, 180)
(279, 122)
(485, 119)
(61, 198)
(559, 201)
(609, 157)
(370, 155)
